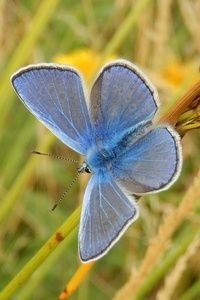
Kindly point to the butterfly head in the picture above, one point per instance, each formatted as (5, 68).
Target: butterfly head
(84, 168)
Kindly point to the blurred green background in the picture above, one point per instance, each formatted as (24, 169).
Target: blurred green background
(163, 38)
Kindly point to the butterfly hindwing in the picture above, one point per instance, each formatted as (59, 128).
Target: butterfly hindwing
(106, 213)
(54, 94)
(150, 164)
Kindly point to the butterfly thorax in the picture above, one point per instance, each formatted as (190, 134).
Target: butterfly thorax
(99, 158)
(105, 154)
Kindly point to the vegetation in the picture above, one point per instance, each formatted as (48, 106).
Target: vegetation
(158, 257)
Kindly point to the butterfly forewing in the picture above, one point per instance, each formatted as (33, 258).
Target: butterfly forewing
(121, 98)
(54, 94)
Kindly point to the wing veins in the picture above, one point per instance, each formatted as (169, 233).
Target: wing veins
(31, 83)
(79, 93)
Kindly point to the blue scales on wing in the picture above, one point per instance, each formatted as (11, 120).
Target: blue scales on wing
(106, 213)
(54, 94)
(123, 105)
(151, 164)
(121, 99)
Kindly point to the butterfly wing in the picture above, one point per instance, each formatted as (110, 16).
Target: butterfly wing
(121, 98)
(106, 213)
(54, 94)
(151, 164)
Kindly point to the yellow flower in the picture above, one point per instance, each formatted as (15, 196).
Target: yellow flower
(85, 60)
(176, 72)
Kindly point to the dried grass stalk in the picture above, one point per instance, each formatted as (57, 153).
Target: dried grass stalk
(162, 31)
(160, 242)
(174, 277)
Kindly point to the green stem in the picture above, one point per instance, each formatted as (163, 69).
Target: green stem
(7, 203)
(23, 51)
(15, 154)
(179, 248)
(60, 234)
(28, 289)
(125, 28)
(193, 292)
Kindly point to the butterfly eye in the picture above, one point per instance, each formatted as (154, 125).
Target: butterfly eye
(84, 168)
(87, 170)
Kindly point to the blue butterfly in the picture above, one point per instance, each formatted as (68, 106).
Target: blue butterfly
(124, 151)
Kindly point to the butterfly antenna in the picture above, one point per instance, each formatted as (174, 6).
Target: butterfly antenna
(55, 156)
(66, 191)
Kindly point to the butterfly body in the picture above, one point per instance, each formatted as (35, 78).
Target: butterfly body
(100, 158)
(106, 154)
(125, 151)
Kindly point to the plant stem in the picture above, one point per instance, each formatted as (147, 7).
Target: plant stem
(58, 236)
(23, 51)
